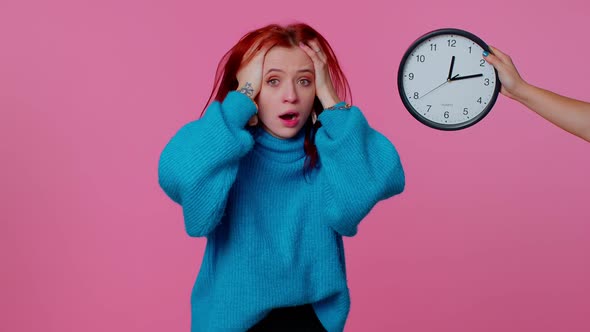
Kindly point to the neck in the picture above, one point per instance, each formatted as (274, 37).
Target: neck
(280, 149)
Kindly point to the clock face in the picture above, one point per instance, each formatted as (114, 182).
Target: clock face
(444, 81)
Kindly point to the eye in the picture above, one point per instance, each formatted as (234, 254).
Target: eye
(304, 82)
(273, 82)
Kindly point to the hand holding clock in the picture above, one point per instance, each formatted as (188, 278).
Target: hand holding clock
(569, 114)
(466, 104)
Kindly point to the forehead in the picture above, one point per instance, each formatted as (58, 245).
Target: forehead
(287, 59)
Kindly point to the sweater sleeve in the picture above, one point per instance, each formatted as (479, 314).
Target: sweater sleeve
(358, 168)
(199, 164)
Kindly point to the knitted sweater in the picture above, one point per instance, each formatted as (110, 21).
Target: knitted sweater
(274, 237)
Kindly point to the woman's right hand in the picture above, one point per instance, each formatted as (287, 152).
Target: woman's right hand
(249, 76)
(512, 83)
(250, 73)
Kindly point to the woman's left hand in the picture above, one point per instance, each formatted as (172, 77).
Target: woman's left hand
(323, 82)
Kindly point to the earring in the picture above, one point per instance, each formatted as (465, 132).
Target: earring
(314, 117)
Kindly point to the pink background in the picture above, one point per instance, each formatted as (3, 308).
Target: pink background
(491, 234)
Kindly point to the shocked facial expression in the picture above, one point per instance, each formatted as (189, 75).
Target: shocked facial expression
(288, 90)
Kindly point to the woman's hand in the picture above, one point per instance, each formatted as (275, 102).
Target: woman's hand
(512, 83)
(249, 76)
(323, 82)
(567, 113)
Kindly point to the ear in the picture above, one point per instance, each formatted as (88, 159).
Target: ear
(253, 120)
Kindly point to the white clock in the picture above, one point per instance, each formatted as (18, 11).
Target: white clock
(444, 82)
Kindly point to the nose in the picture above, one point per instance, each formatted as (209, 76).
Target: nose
(289, 93)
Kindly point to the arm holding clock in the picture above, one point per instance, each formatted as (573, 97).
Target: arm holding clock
(569, 114)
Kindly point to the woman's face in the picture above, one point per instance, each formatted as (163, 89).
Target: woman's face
(288, 90)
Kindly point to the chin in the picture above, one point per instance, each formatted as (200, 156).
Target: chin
(283, 133)
(286, 134)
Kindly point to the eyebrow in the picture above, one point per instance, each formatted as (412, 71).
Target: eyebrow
(282, 71)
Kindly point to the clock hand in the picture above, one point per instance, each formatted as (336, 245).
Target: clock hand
(465, 77)
(445, 82)
(451, 69)
(449, 78)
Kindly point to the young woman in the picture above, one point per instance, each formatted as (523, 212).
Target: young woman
(274, 173)
(568, 114)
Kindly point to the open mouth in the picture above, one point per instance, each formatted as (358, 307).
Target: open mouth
(289, 116)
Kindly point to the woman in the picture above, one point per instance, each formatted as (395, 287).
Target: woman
(275, 172)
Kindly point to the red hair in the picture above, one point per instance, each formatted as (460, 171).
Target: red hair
(285, 36)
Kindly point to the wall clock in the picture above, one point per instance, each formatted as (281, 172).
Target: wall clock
(444, 82)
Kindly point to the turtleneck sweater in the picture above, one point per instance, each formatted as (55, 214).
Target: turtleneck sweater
(274, 234)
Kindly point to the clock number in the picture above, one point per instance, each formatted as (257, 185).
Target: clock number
(451, 42)
(486, 82)
(479, 100)
(446, 114)
(429, 106)
(469, 49)
(411, 75)
(482, 62)
(420, 58)
(465, 111)
(433, 47)
(416, 95)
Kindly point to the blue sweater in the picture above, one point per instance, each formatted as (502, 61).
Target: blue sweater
(274, 238)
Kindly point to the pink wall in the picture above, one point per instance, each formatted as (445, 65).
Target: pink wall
(492, 233)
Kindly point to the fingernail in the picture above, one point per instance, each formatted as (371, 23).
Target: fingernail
(485, 53)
